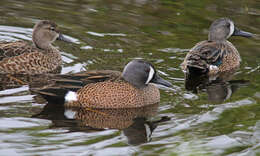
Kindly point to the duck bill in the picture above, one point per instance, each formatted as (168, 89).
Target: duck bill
(158, 80)
(63, 38)
(238, 32)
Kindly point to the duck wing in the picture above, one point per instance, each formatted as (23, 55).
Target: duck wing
(53, 88)
(202, 55)
(11, 49)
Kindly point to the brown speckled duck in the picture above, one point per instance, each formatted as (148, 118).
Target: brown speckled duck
(215, 54)
(107, 89)
(21, 57)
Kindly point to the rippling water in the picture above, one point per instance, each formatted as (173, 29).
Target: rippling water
(108, 34)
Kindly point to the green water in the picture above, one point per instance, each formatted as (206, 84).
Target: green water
(109, 33)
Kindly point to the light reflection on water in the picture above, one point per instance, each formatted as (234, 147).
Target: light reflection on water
(108, 35)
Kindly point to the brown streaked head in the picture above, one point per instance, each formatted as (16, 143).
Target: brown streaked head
(46, 32)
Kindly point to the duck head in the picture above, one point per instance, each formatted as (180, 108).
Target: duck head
(45, 33)
(223, 28)
(140, 73)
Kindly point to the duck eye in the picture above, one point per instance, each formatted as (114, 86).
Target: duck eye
(228, 25)
(52, 28)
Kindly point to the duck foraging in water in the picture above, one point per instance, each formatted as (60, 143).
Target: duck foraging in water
(21, 57)
(107, 89)
(215, 54)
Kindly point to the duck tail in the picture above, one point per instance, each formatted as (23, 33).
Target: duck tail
(194, 70)
(54, 95)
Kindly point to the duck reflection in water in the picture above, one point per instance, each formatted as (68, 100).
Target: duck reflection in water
(134, 122)
(218, 88)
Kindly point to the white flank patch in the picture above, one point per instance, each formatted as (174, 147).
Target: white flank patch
(150, 76)
(213, 67)
(70, 114)
(213, 70)
(71, 96)
(232, 29)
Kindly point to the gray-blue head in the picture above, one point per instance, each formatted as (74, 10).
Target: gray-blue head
(222, 28)
(140, 73)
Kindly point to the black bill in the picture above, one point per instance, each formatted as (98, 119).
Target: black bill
(238, 32)
(63, 38)
(158, 80)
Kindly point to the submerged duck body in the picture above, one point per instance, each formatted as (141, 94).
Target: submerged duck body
(215, 54)
(108, 89)
(21, 57)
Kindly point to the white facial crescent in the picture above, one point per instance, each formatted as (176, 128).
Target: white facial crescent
(231, 30)
(150, 76)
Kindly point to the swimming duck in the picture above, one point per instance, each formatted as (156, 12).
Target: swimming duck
(21, 57)
(107, 89)
(215, 54)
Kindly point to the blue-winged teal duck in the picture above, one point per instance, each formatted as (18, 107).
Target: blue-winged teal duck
(21, 57)
(107, 89)
(215, 54)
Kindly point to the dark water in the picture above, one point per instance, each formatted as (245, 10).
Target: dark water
(109, 33)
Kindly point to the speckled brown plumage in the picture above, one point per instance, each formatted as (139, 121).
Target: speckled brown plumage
(11, 49)
(206, 53)
(26, 59)
(116, 95)
(9, 81)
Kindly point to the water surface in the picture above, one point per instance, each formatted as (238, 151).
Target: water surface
(107, 35)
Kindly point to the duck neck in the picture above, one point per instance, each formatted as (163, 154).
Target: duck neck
(137, 85)
(42, 45)
(215, 38)
(217, 41)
